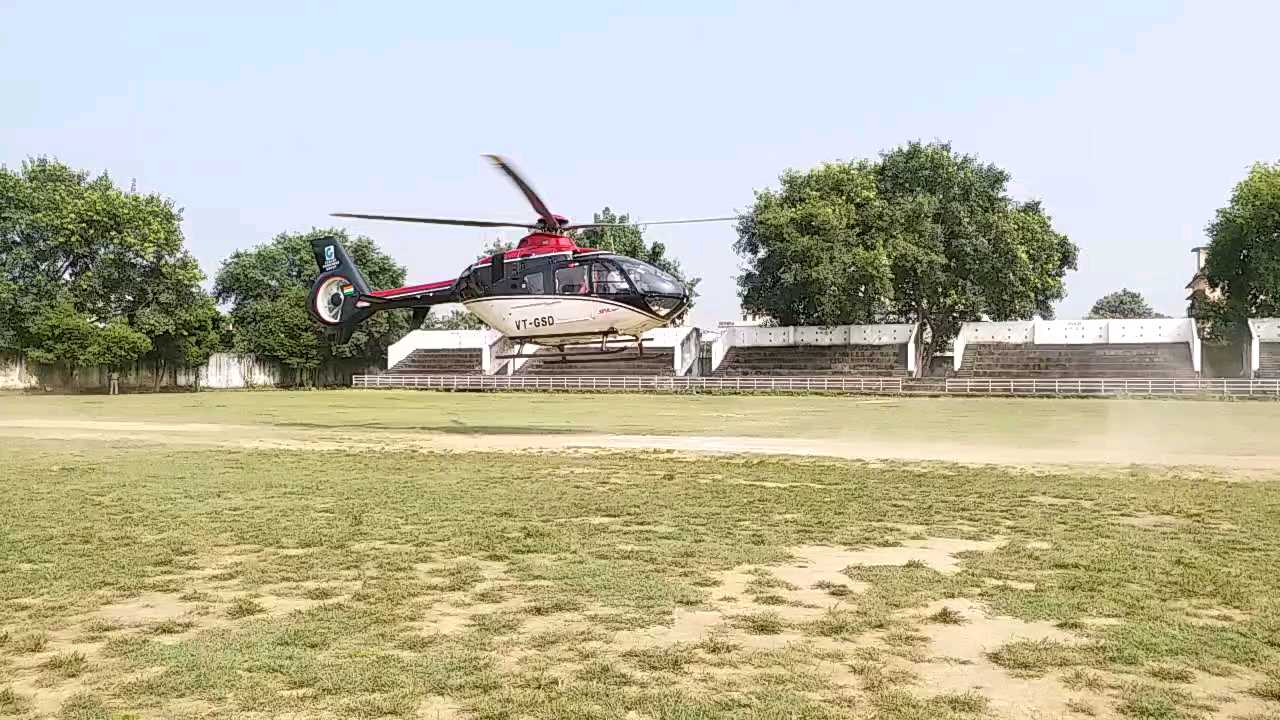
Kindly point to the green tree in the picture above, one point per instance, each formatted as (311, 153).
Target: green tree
(922, 235)
(1244, 257)
(81, 259)
(266, 288)
(454, 320)
(57, 334)
(116, 346)
(495, 246)
(1123, 304)
(628, 239)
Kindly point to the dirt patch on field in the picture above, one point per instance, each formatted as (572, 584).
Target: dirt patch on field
(147, 608)
(937, 553)
(977, 452)
(961, 663)
(767, 606)
(438, 707)
(44, 698)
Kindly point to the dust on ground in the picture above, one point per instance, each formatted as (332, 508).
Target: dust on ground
(976, 452)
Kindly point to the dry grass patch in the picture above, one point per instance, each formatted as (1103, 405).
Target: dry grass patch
(765, 622)
(1269, 689)
(84, 706)
(898, 704)
(32, 642)
(947, 616)
(1081, 707)
(1036, 657)
(1158, 702)
(1172, 673)
(244, 607)
(665, 659)
(11, 703)
(66, 664)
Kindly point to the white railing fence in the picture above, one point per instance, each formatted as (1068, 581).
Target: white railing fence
(1112, 386)
(834, 384)
(640, 383)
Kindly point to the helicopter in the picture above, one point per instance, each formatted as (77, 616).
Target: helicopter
(547, 291)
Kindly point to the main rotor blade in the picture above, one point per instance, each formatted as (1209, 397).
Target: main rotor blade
(580, 226)
(538, 206)
(437, 221)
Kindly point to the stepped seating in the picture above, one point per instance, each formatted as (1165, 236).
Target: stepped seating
(814, 360)
(656, 361)
(1268, 360)
(439, 362)
(1011, 360)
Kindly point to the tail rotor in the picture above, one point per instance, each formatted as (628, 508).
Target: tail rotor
(335, 298)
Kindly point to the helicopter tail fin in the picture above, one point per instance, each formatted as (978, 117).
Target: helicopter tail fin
(337, 298)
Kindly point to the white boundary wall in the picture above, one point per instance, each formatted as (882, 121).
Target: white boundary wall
(757, 336)
(683, 342)
(1081, 332)
(14, 373)
(482, 340)
(228, 370)
(223, 371)
(1261, 330)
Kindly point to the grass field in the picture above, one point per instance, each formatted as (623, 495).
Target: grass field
(373, 554)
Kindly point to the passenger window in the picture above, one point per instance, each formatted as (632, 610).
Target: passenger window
(608, 280)
(533, 284)
(572, 280)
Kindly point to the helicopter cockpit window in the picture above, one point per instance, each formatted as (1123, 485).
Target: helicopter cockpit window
(649, 279)
(468, 285)
(572, 280)
(607, 279)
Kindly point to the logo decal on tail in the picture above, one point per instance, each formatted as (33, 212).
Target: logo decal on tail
(330, 258)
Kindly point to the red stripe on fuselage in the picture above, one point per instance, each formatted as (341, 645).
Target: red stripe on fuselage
(413, 289)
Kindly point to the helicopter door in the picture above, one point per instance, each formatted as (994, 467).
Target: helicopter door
(497, 270)
(572, 280)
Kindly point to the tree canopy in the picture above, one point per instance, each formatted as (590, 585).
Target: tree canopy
(266, 288)
(1123, 304)
(93, 275)
(1244, 257)
(923, 234)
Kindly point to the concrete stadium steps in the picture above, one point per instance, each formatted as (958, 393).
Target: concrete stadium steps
(1268, 360)
(656, 362)
(1009, 360)
(439, 362)
(809, 360)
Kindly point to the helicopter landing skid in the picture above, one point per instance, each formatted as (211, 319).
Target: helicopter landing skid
(603, 354)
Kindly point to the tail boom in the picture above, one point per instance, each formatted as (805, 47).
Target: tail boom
(340, 298)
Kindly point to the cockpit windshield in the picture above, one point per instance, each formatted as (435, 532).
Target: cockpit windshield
(648, 279)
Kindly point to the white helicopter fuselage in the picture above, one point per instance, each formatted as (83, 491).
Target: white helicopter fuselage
(564, 319)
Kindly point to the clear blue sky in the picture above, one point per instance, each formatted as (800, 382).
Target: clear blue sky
(1130, 120)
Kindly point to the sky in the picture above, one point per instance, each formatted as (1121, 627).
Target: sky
(1131, 121)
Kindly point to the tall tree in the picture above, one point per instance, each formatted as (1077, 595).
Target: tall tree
(1244, 257)
(267, 286)
(495, 246)
(453, 320)
(88, 270)
(1123, 304)
(923, 235)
